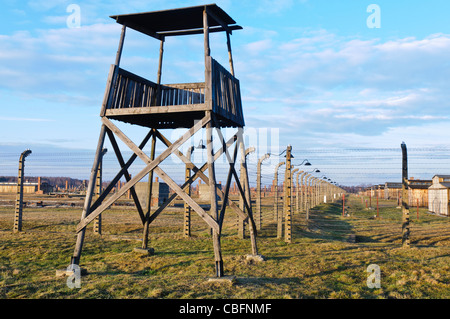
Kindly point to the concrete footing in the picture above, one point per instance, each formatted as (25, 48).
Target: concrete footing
(144, 251)
(255, 258)
(66, 273)
(222, 280)
(351, 238)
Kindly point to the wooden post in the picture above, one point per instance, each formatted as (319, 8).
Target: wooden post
(275, 200)
(149, 202)
(213, 195)
(302, 192)
(240, 220)
(298, 191)
(120, 48)
(343, 205)
(208, 89)
(87, 202)
(417, 209)
(252, 226)
(378, 209)
(312, 188)
(157, 97)
(258, 192)
(161, 52)
(288, 195)
(293, 188)
(98, 191)
(243, 178)
(19, 196)
(405, 207)
(187, 208)
(230, 56)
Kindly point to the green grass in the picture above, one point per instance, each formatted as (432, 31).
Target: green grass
(320, 263)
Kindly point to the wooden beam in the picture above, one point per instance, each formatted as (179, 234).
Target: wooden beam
(227, 187)
(199, 172)
(140, 28)
(149, 192)
(206, 33)
(119, 175)
(208, 82)
(111, 75)
(150, 166)
(198, 107)
(120, 48)
(196, 207)
(127, 175)
(198, 31)
(126, 140)
(218, 20)
(213, 195)
(89, 192)
(230, 55)
(246, 194)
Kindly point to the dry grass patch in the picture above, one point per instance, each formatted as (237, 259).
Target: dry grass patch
(320, 263)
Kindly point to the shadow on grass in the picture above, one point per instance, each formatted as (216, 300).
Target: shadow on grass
(326, 222)
(267, 280)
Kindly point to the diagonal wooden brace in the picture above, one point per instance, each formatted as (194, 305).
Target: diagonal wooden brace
(207, 218)
(196, 207)
(191, 180)
(199, 172)
(124, 168)
(150, 166)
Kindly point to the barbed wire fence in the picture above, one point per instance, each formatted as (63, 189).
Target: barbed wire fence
(354, 169)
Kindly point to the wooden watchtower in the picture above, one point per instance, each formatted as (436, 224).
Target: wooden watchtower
(214, 103)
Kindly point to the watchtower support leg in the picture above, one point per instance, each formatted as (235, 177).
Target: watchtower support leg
(98, 191)
(213, 195)
(19, 197)
(246, 195)
(149, 192)
(89, 192)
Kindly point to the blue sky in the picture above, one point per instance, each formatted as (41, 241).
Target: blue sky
(310, 69)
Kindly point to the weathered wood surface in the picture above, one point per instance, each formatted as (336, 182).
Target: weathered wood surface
(225, 93)
(150, 166)
(405, 206)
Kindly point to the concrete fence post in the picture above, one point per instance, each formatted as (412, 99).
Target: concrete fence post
(19, 196)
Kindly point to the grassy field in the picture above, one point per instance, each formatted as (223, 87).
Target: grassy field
(320, 263)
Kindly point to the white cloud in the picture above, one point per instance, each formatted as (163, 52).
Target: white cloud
(342, 85)
(53, 62)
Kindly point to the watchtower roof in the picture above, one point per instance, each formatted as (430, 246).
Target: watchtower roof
(180, 21)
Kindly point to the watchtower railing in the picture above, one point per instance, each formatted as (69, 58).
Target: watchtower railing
(128, 90)
(226, 93)
(182, 94)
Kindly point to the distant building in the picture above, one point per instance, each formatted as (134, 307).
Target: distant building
(160, 193)
(379, 189)
(418, 192)
(204, 192)
(392, 190)
(438, 195)
(11, 187)
(28, 187)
